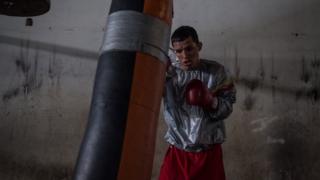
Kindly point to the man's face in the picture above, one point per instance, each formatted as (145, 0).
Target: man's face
(187, 52)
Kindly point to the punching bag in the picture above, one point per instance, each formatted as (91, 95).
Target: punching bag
(119, 141)
(24, 8)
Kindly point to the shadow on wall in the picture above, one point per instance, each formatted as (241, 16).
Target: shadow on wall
(302, 23)
(311, 92)
(11, 169)
(296, 159)
(50, 47)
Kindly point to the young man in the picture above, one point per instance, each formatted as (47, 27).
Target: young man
(198, 97)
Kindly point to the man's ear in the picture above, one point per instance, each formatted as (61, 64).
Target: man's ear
(199, 46)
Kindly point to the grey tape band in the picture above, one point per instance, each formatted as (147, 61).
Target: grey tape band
(134, 31)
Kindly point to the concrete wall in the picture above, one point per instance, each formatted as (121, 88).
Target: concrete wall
(271, 47)
(47, 72)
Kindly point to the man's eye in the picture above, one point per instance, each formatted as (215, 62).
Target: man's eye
(189, 49)
(178, 51)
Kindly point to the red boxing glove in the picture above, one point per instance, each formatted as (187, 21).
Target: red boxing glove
(198, 94)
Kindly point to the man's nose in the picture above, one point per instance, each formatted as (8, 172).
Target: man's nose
(184, 53)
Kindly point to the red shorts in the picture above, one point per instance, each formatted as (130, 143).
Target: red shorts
(182, 165)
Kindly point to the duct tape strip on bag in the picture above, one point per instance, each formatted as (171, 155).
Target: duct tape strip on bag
(134, 31)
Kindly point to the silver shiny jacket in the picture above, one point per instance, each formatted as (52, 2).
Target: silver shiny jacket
(193, 128)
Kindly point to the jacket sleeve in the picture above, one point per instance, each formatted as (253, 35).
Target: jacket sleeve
(226, 95)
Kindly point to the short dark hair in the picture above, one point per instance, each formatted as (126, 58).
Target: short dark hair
(183, 32)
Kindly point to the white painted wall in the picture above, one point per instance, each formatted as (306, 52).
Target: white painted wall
(271, 47)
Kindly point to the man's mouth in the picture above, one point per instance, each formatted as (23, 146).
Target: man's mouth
(186, 62)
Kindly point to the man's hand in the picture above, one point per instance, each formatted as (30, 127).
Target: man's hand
(197, 94)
